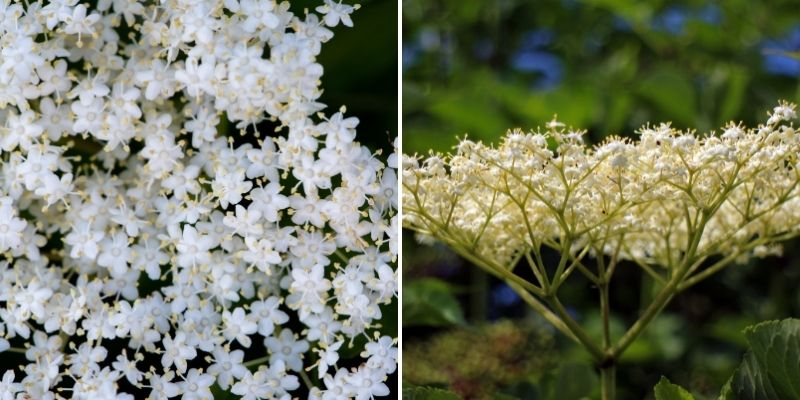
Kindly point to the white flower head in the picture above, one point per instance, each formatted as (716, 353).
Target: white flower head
(142, 204)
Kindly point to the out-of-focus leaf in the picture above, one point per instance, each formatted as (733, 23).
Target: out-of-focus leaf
(526, 389)
(665, 336)
(662, 340)
(729, 329)
(470, 112)
(428, 393)
(670, 90)
(504, 396)
(571, 381)
(734, 96)
(771, 369)
(791, 54)
(617, 113)
(632, 10)
(430, 302)
(665, 390)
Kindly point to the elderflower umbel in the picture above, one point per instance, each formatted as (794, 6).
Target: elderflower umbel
(147, 253)
(679, 206)
(647, 201)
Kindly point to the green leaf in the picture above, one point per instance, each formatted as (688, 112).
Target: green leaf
(428, 393)
(748, 382)
(430, 302)
(771, 369)
(665, 390)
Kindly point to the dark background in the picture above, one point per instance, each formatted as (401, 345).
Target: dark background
(361, 73)
(608, 66)
(361, 70)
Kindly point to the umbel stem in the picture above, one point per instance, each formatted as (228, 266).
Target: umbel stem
(608, 382)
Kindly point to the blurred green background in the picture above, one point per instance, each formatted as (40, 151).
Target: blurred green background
(608, 66)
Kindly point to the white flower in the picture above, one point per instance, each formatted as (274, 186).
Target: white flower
(286, 348)
(328, 356)
(368, 383)
(31, 300)
(196, 385)
(230, 186)
(115, 254)
(84, 241)
(193, 248)
(381, 354)
(177, 352)
(309, 290)
(238, 327)
(162, 386)
(267, 315)
(183, 181)
(86, 358)
(323, 326)
(244, 222)
(9, 388)
(127, 368)
(227, 366)
(261, 253)
(335, 12)
(79, 22)
(135, 222)
(783, 112)
(149, 258)
(11, 227)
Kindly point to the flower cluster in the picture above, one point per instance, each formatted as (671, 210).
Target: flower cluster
(668, 201)
(149, 254)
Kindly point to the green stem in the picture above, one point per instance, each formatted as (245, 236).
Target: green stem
(607, 366)
(306, 379)
(608, 382)
(543, 311)
(658, 304)
(256, 361)
(480, 291)
(664, 296)
(562, 263)
(605, 312)
(17, 350)
(587, 342)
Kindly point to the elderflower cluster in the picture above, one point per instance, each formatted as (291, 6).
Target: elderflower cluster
(671, 197)
(146, 253)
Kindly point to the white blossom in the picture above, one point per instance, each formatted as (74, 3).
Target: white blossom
(146, 244)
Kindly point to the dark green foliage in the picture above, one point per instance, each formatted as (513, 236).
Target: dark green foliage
(666, 390)
(477, 362)
(430, 302)
(428, 393)
(770, 368)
